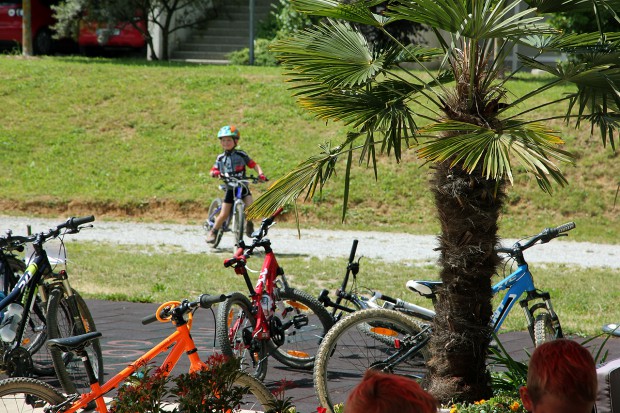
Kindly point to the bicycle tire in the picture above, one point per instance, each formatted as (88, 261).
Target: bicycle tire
(35, 332)
(238, 223)
(20, 393)
(543, 329)
(301, 342)
(233, 317)
(259, 397)
(69, 368)
(348, 350)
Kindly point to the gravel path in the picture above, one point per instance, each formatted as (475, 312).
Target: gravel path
(389, 247)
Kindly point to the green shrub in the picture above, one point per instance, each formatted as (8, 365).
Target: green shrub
(262, 55)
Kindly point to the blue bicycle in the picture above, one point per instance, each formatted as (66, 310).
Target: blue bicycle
(395, 341)
(235, 222)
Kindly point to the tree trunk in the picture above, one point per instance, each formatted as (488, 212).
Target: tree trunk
(468, 206)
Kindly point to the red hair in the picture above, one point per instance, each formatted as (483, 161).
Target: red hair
(389, 393)
(563, 368)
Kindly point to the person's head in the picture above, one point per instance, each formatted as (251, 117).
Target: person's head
(561, 378)
(388, 393)
(229, 136)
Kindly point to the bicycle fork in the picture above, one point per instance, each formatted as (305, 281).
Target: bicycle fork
(544, 305)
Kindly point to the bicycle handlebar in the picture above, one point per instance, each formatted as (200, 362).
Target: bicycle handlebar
(544, 236)
(73, 225)
(204, 301)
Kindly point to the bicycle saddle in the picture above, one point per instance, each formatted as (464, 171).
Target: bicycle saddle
(424, 288)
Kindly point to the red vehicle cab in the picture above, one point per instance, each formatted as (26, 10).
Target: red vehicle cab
(11, 13)
(95, 36)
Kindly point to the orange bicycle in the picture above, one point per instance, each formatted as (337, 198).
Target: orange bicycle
(32, 395)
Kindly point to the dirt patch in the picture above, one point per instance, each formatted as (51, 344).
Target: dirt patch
(154, 210)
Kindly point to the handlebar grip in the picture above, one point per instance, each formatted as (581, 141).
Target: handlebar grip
(353, 250)
(278, 212)
(207, 300)
(565, 227)
(230, 262)
(149, 319)
(77, 221)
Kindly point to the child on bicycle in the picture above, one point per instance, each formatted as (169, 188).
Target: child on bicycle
(233, 163)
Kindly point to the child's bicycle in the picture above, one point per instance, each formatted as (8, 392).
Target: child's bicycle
(276, 320)
(30, 395)
(396, 342)
(235, 222)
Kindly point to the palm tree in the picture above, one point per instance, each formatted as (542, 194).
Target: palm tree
(460, 120)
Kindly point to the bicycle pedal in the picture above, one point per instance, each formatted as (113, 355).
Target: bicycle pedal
(300, 320)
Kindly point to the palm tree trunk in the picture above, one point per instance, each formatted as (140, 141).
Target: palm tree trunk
(468, 206)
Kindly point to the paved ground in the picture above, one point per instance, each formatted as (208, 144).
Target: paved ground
(125, 338)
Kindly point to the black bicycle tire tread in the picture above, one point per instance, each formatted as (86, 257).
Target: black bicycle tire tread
(323, 315)
(59, 366)
(222, 330)
(337, 330)
(19, 385)
(540, 328)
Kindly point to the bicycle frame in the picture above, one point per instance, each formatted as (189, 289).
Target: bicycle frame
(181, 342)
(266, 284)
(518, 283)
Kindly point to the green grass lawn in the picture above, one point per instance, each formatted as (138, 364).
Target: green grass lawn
(122, 138)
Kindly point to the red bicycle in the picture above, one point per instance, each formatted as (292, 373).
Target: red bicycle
(276, 319)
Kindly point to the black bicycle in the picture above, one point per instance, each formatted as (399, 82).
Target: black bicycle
(57, 310)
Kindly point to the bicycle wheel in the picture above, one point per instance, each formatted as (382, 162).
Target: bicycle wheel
(25, 395)
(348, 350)
(69, 367)
(258, 397)
(238, 223)
(235, 325)
(35, 332)
(543, 329)
(308, 320)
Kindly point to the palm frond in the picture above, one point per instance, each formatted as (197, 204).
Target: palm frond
(474, 147)
(309, 176)
(477, 19)
(358, 12)
(332, 53)
(574, 43)
(559, 6)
